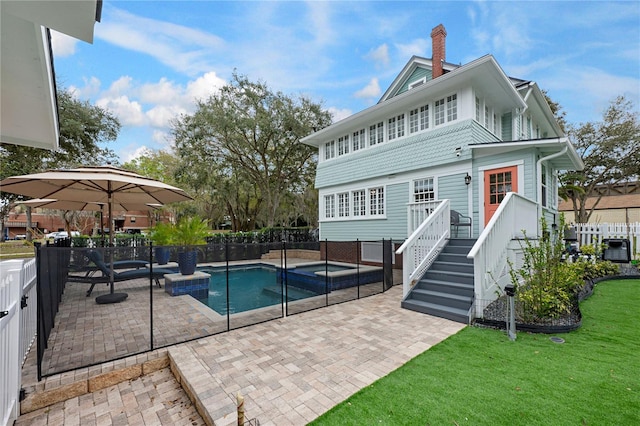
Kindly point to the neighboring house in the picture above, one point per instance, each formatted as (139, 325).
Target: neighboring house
(618, 203)
(461, 137)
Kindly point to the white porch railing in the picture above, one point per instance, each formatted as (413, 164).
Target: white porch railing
(424, 244)
(417, 213)
(515, 216)
(590, 233)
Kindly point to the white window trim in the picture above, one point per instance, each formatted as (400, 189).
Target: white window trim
(351, 217)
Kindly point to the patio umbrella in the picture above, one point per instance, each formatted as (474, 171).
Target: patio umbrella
(95, 184)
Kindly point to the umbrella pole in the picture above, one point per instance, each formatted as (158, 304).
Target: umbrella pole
(111, 235)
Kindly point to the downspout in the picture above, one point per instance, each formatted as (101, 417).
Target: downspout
(539, 179)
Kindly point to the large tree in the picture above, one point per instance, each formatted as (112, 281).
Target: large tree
(83, 130)
(246, 138)
(610, 150)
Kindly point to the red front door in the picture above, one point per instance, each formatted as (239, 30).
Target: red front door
(497, 183)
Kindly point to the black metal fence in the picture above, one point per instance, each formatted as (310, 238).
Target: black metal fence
(233, 286)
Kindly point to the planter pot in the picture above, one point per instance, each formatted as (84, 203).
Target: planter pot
(162, 255)
(187, 261)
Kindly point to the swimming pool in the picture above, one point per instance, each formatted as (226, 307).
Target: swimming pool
(250, 287)
(322, 278)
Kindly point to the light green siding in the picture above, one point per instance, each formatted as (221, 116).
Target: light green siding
(417, 74)
(420, 151)
(394, 226)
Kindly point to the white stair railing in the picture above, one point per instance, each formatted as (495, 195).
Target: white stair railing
(424, 244)
(417, 213)
(515, 216)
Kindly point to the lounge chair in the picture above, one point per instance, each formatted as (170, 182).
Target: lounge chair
(105, 271)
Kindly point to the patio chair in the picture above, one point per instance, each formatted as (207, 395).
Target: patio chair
(459, 220)
(105, 270)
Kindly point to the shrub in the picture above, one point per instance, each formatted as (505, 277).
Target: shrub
(544, 284)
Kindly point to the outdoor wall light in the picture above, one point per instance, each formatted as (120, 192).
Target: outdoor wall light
(467, 179)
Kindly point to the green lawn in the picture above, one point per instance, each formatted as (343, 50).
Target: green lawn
(480, 377)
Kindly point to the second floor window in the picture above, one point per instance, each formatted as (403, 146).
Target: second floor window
(358, 140)
(452, 108)
(343, 145)
(376, 133)
(329, 150)
(439, 112)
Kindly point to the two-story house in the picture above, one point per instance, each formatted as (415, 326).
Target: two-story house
(437, 155)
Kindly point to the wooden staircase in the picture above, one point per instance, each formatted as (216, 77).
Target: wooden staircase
(446, 289)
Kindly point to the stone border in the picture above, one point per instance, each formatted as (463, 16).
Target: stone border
(44, 398)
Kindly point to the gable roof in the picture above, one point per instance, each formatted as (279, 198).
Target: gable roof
(484, 72)
(409, 69)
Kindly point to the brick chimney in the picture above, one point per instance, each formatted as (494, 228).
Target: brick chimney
(438, 38)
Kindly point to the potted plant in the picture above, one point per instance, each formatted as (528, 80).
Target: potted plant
(189, 232)
(162, 236)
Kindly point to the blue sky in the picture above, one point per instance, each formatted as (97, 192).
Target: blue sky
(150, 60)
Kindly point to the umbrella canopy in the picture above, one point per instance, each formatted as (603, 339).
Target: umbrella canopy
(53, 204)
(96, 184)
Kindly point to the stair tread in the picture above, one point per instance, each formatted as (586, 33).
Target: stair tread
(454, 273)
(444, 294)
(437, 307)
(446, 283)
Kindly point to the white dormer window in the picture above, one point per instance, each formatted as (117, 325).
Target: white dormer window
(376, 134)
(417, 83)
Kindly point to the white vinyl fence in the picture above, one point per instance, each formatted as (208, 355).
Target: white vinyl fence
(17, 331)
(590, 233)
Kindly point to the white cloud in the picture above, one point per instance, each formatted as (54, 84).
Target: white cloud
(379, 55)
(339, 114)
(179, 47)
(204, 86)
(63, 45)
(371, 90)
(127, 111)
(416, 47)
(132, 154)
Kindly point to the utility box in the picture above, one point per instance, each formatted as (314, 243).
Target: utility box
(617, 250)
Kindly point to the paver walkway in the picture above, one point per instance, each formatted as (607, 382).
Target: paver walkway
(289, 370)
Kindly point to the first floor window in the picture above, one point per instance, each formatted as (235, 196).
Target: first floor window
(343, 204)
(359, 203)
(376, 201)
(329, 206)
(543, 181)
(423, 190)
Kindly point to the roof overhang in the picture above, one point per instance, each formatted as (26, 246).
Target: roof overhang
(569, 160)
(28, 109)
(483, 72)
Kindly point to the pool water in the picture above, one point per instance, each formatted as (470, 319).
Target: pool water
(250, 288)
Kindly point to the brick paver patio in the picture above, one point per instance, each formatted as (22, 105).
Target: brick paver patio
(290, 370)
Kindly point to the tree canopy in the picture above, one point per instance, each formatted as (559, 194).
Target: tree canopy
(83, 129)
(242, 148)
(610, 150)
